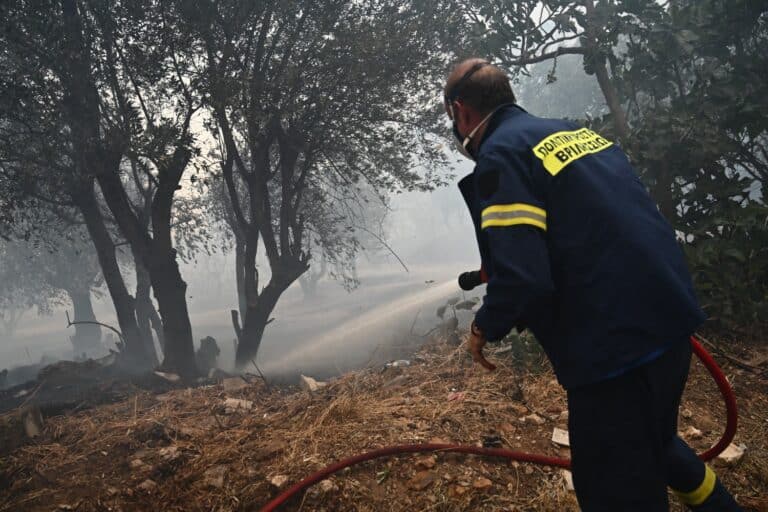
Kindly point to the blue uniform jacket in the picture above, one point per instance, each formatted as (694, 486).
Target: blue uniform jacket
(574, 249)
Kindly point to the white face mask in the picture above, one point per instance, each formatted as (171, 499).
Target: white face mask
(463, 145)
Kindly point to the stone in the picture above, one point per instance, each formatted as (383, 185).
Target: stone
(733, 453)
(482, 483)
(560, 436)
(232, 405)
(508, 428)
(534, 418)
(692, 433)
(170, 377)
(234, 384)
(280, 480)
(567, 479)
(147, 485)
(170, 453)
(422, 480)
(459, 490)
(426, 462)
(32, 420)
(517, 408)
(310, 384)
(328, 486)
(214, 476)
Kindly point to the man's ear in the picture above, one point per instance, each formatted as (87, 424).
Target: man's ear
(460, 112)
(467, 116)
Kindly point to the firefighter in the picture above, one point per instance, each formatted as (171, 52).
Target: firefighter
(575, 250)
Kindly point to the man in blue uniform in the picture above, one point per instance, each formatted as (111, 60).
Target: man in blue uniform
(575, 250)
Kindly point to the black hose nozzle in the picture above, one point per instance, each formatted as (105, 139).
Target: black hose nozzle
(470, 280)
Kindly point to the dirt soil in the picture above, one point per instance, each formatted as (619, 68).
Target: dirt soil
(186, 450)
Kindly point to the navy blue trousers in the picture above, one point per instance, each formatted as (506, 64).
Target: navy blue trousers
(624, 444)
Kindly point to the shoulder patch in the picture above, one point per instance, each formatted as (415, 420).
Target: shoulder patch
(561, 148)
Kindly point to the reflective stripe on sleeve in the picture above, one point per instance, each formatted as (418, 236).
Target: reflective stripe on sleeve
(702, 492)
(513, 214)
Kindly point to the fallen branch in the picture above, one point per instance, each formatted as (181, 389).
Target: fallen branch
(92, 322)
(735, 360)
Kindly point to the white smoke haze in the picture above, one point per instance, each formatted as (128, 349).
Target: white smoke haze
(337, 329)
(430, 231)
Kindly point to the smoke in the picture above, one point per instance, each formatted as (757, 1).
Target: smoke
(352, 342)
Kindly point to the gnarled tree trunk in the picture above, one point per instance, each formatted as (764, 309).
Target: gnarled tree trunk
(257, 316)
(259, 306)
(242, 301)
(170, 291)
(134, 351)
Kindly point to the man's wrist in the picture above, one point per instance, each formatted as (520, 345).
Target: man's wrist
(475, 330)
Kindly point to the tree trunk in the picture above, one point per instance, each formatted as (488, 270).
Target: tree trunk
(255, 322)
(157, 254)
(144, 308)
(87, 338)
(170, 291)
(242, 301)
(612, 99)
(603, 79)
(82, 116)
(259, 306)
(133, 352)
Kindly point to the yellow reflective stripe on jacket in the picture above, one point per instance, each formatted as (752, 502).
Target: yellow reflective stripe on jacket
(702, 492)
(513, 214)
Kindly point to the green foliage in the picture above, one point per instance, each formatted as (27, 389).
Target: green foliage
(730, 268)
(699, 105)
(690, 76)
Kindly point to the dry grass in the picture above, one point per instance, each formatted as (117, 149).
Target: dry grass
(197, 457)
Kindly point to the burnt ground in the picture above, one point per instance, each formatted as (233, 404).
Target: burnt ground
(185, 450)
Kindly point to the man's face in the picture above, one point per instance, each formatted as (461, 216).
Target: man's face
(450, 110)
(461, 117)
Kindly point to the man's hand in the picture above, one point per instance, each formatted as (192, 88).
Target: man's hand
(476, 344)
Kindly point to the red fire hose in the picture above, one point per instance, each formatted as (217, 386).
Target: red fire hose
(703, 355)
